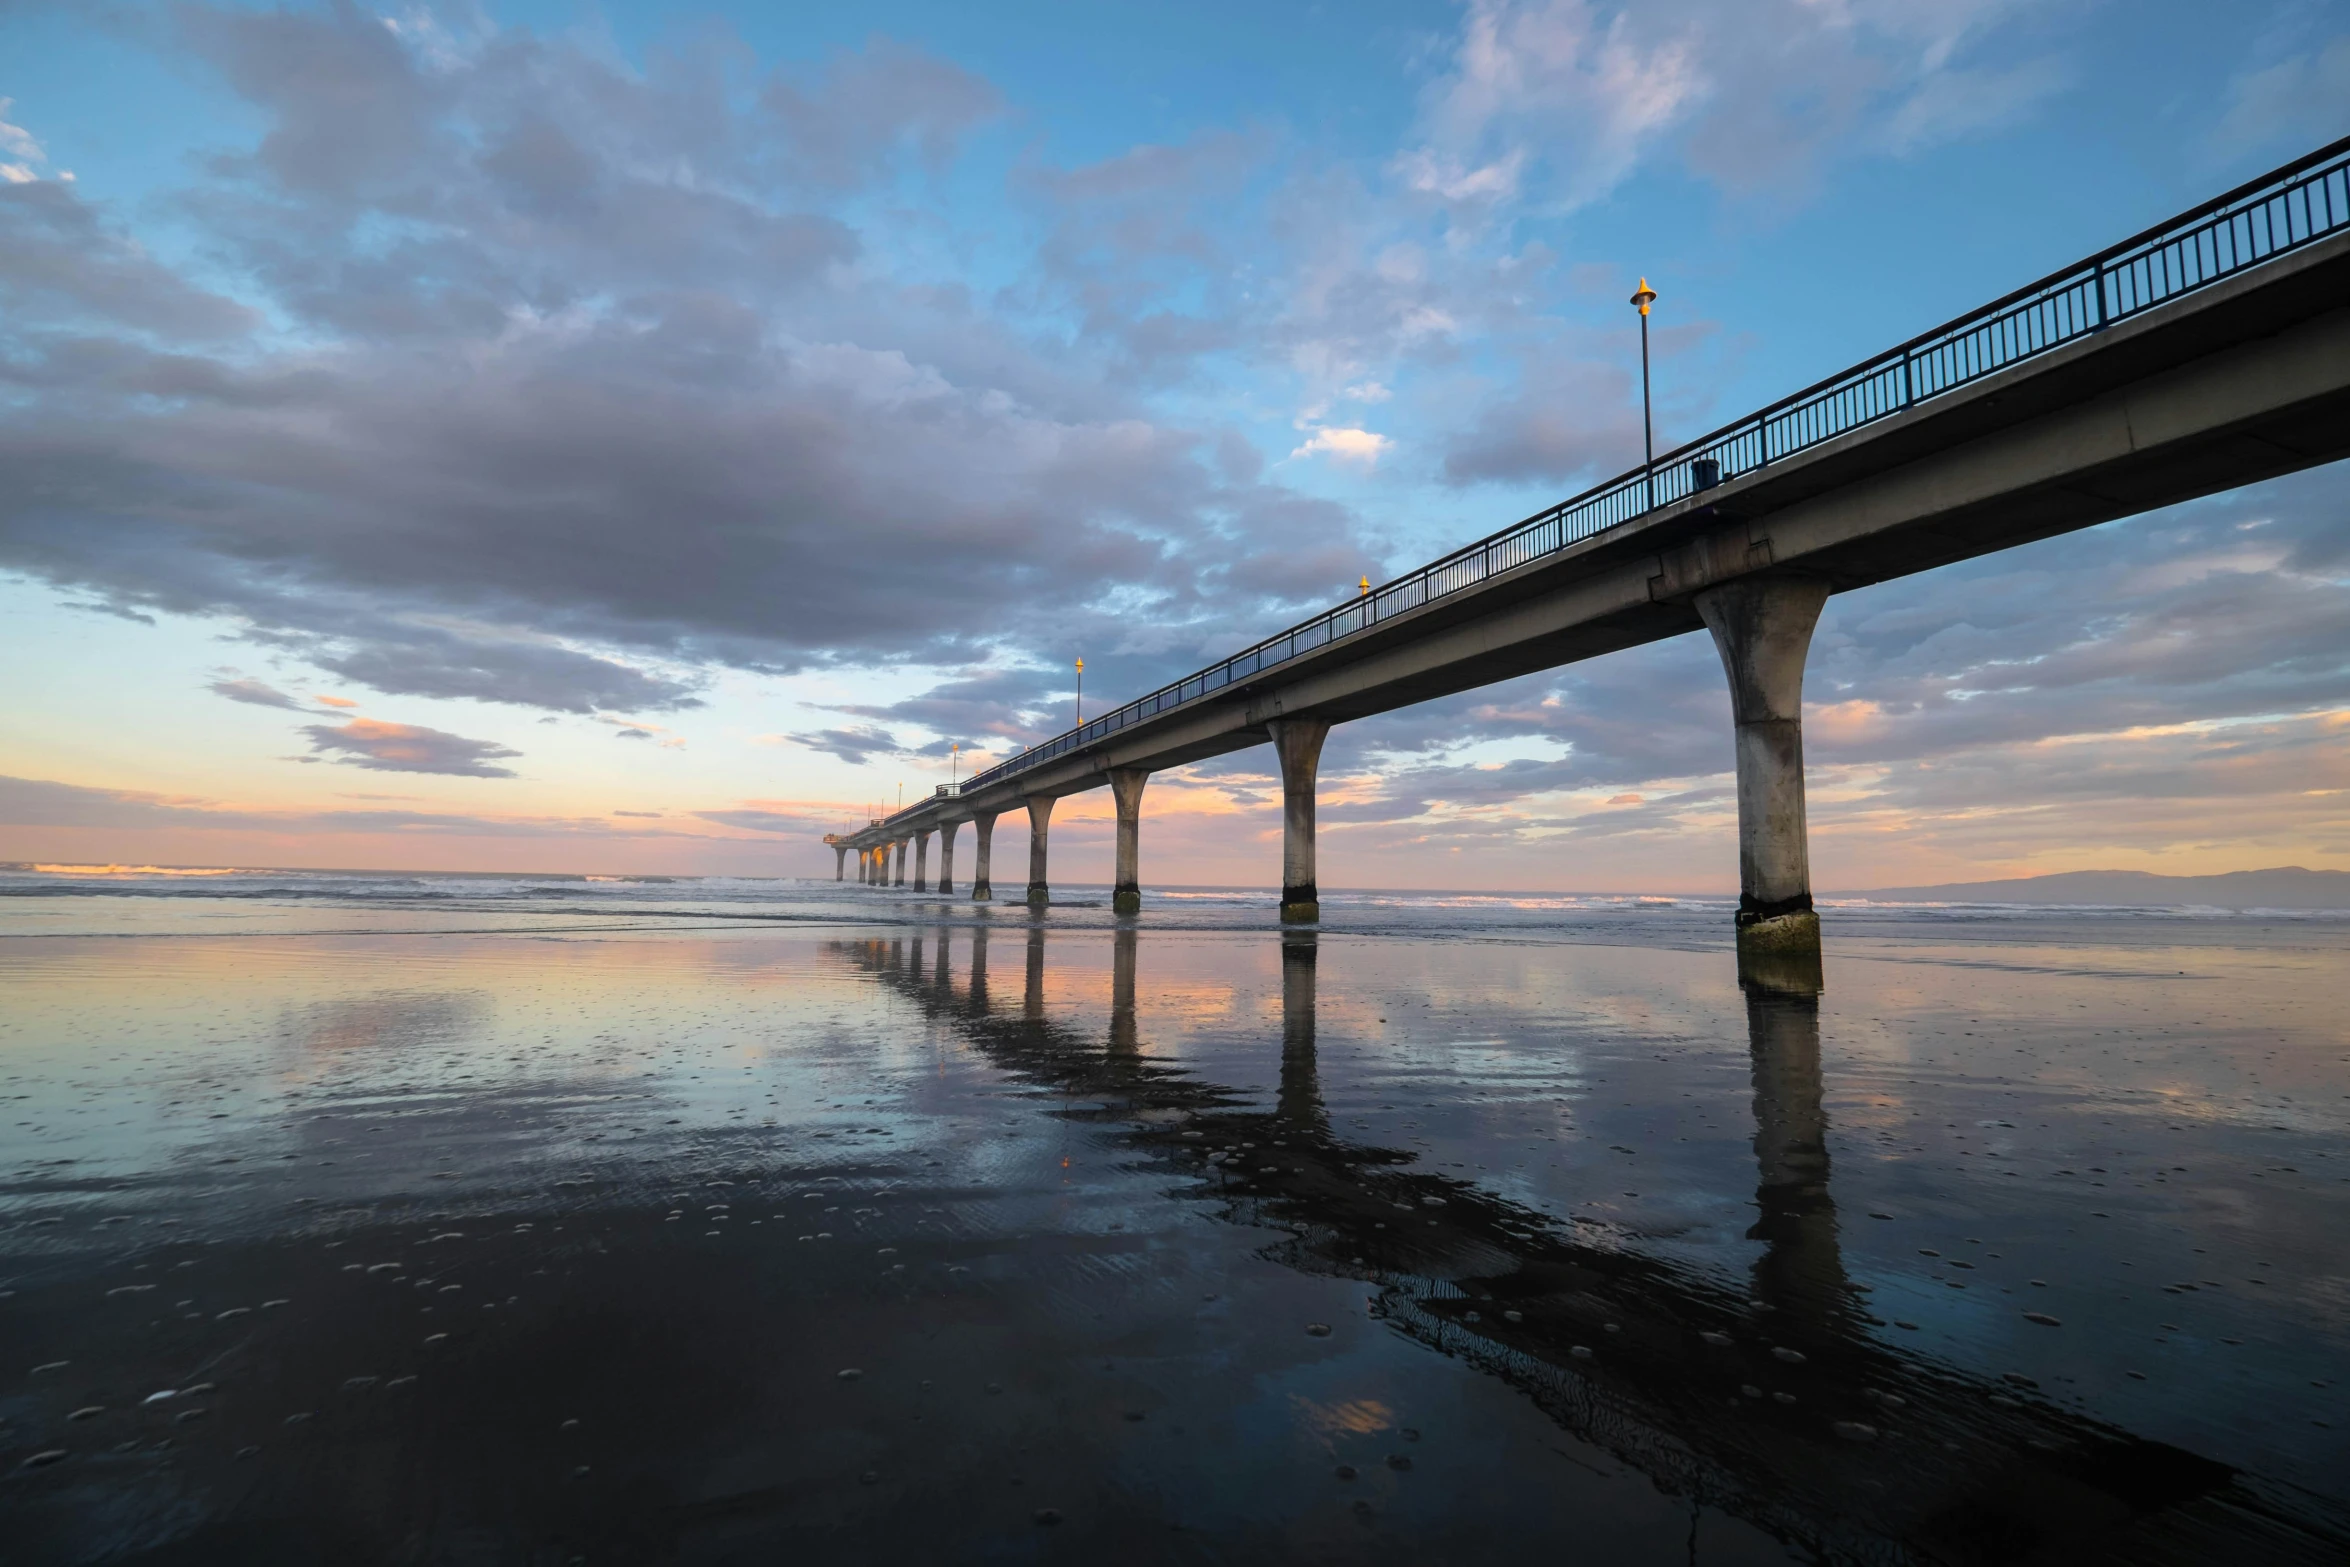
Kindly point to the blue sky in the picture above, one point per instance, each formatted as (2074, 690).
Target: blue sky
(636, 437)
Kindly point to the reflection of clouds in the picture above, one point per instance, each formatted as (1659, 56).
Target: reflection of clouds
(387, 1020)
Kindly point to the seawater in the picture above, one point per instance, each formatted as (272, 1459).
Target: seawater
(359, 1218)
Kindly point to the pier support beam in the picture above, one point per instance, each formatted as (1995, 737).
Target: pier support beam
(1040, 826)
(983, 831)
(1126, 788)
(864, 866)
(901, 858)
(922, 860)
(946, 858)
(1298, 742)
(840, 862)
(1762, 628)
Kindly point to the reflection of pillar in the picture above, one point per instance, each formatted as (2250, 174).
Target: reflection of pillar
(942, 979)
(1122, 1030)
(1762, 628)
(1032, 997)
(1126, 788)
(1802, 1266)
(1298, 743)
(922, 860)
(983, 833)
(901, 879)
(946, 858)
(1300, 1102)
(840, 862)
(979, 968)
(1040, 826)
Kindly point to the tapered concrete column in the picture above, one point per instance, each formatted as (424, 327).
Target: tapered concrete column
(983, 835)
(922, 862)
(864, 866)
(1762, 628)
(946, 858)
(840, 862)
(901, 858)
(1298, 742)
(1126, 788)
(1040, 826)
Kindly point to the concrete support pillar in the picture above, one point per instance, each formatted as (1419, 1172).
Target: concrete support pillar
(1298, 742)
(840, 862)
(1762, 628)
(922, 861)
(946, 858)
(983, 834)
(864, 866)
(1040, 826)
(1126, 788)
(901, 859)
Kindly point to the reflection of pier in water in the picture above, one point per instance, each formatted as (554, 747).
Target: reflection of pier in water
(1778, 1404)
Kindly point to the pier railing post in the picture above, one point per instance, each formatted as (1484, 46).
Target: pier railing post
(983, 834)
(946, 857)
(1762, 628)
(1298, 742)
(1040, 826)
(1126, 788)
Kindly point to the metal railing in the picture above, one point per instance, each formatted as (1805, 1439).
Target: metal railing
(2280, 212)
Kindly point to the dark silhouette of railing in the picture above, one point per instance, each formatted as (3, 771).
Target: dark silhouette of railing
(2271, 216)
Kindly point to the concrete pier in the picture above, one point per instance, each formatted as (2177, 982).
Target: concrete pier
(1298, 742)
(1126, 788)
(946, 857)
(840, 862)
(983, 831)
(1040, 826)
(1762, 627)
(922, 860)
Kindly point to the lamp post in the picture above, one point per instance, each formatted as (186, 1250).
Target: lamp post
(955, 763)
(1081, 693)
(1644, 296)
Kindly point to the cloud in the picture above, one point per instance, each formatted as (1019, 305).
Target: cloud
(1345, 445)
(259, 693)
(2295, 101)
(853, 746)
(48, 803)
(409, 748)
(334, 701)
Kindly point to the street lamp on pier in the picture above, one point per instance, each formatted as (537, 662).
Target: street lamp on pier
(1644, 296)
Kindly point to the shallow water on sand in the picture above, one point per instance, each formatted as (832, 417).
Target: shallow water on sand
(431, 1220)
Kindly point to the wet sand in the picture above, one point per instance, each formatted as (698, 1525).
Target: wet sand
(897, 1230)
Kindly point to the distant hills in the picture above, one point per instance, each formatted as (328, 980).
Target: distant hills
(2285, 887)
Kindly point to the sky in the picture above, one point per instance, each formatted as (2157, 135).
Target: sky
(641, 438)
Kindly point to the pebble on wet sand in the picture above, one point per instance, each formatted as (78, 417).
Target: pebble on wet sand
(43, 1459)
(1317, 1330)
(848, 1374)
(1048, 1515)
(2043, 1318)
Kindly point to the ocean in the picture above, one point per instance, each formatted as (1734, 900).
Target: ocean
(416, 1218)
